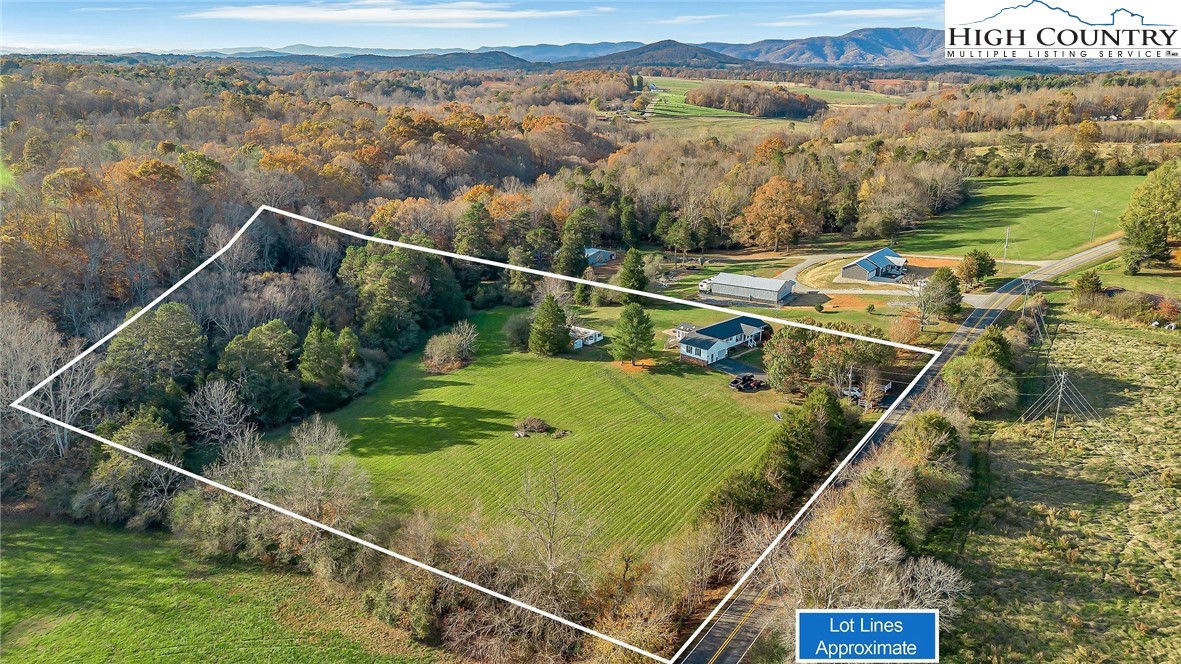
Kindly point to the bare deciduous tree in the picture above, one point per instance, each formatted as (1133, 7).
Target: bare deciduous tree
(216, 413)
(31, 350)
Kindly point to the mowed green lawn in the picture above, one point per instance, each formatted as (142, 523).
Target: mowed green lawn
(646, 448)
(94, 594)
(1047, 218)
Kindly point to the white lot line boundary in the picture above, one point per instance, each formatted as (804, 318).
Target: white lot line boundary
(795, 520)
(451, 577)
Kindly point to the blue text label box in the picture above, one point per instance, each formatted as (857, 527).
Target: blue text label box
(853, 635)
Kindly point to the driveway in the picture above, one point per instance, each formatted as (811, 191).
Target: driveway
(736, 367)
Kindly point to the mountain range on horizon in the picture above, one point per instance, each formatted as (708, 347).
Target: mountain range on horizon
(867, 47)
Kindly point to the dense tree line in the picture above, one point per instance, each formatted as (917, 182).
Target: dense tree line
(1152, 218)
(761, 101)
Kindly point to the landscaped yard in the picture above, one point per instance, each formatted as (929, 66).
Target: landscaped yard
(1047, 218)
(94, 594)
(1073, 547)
(646, 448)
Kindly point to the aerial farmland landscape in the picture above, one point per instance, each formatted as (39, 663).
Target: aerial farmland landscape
(525, 332)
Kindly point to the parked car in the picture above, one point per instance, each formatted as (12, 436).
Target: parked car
(706, 285)
(853, 392)
(747, 383)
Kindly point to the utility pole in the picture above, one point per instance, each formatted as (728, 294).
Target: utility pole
(1094, 222)
(1005, 259)
(1058, 406)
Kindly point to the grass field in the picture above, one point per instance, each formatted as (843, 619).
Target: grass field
(1154, 279)
(92, 594)
(1047, 218)
(672, 113)
(676, 88)
(646, 448)
(1070, 558)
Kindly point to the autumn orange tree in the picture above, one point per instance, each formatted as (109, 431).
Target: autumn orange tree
(781, 211)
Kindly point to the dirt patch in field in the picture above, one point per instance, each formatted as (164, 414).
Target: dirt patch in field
(640, 365)
(22, 632)
(931, 262)
(839, 301)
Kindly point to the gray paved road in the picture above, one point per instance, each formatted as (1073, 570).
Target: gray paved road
(734, 631)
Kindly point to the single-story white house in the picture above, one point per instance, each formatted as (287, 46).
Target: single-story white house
(751, 289)
(882, 265)
(584, 336)
(707, 345)
(596, 256)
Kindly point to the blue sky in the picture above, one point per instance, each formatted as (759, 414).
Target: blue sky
(163, 25)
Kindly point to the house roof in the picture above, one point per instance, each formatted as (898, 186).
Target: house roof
(732, 327)
(747, 281)
(686, 327)
(698, 341)
(591, 251)
(881, 258)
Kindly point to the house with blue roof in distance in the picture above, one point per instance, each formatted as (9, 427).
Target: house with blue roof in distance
(882, 265)
(706, 345)
(596, 256)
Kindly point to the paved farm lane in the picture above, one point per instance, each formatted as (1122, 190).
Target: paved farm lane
(734, 631)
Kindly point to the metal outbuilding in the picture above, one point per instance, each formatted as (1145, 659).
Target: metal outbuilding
(751, 289)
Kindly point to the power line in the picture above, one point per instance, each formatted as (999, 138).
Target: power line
(1063, 398)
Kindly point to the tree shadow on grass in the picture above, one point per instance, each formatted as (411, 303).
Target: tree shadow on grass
(1103, 393)
(1040, 482)
(423, 426)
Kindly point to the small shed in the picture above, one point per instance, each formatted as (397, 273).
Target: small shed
(596, 256)
(584, 336)
(751, 289)
(885, 264)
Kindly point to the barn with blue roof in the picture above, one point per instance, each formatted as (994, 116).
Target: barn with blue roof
(882, 265)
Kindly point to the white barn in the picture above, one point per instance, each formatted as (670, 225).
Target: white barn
(751, 289)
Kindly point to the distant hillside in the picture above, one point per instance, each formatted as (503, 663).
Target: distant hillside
(533, 53)
(567, 52)
(872, 47)
(667, 53)
(425, 62)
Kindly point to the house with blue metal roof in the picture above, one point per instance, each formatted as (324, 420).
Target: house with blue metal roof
(882, 265)
(596, 256)
(706, 345)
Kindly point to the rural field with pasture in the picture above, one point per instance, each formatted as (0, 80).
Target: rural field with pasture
(1047, 218)
(1071, 544)
(91, 593)
(672, 113)
(1155, 279)
(647, 445)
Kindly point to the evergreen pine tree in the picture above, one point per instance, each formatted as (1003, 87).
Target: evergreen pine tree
(549, 335)
(634, 334)
(631, 275)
